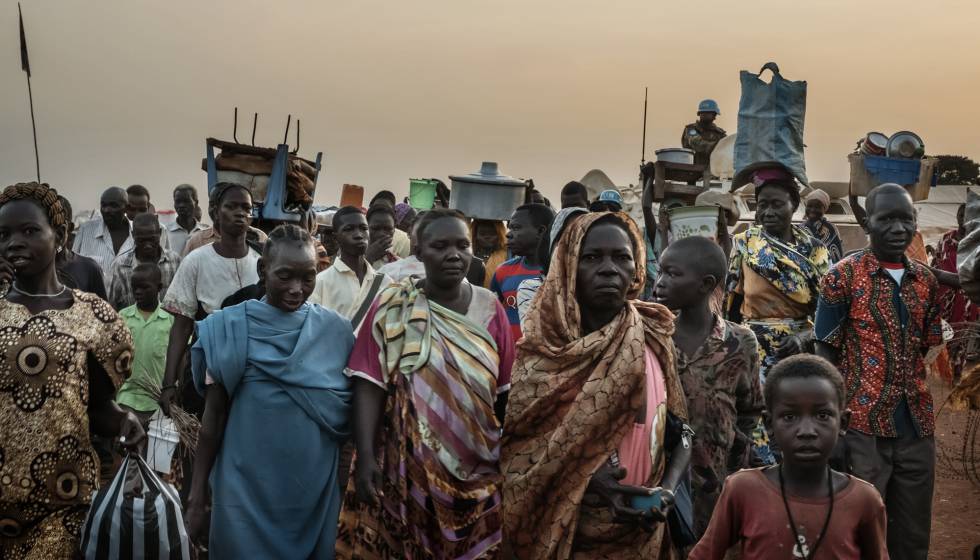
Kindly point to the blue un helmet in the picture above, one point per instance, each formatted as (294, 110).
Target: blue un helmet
(709, 106)
(608, 201)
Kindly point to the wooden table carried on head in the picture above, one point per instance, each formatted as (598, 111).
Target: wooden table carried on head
(678, 180)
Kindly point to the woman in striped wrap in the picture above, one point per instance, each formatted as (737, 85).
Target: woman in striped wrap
(433, 369)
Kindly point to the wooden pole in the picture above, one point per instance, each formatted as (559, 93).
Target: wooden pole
(37, 158)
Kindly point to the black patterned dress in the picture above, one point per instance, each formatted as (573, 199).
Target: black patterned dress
(48, 469)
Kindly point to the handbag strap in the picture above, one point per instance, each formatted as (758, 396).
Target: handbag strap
(772, 66)
(366, 304)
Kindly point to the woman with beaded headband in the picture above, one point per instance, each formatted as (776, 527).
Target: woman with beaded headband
(64, 354)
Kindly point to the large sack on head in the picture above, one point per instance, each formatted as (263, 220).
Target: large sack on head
(770, 122)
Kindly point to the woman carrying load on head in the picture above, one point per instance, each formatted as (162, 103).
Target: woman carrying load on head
(489, 244)
(775, 270)
(66, 352)
(431, 371)
(774, 276)
(205, 277)
(595, 416)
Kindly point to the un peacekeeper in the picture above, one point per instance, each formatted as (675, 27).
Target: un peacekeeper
(702, 136)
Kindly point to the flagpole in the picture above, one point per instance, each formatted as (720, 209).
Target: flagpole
(37, 159)
(30, 94)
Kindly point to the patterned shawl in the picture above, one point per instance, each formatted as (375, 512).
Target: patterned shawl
(793, 269)
(827, 233)
(451, 364)
(573, 399)
(439, 445)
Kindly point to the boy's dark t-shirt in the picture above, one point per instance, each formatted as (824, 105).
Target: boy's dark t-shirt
(750, 515)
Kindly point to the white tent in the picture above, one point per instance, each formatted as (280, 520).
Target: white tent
(597, 181)
(937, 214)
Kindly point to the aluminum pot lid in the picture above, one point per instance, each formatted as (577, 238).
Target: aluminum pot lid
(489, 174)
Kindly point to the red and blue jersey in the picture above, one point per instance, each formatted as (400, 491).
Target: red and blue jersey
(505, 282)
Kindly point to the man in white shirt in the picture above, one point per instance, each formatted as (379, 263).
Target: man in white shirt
(351, 284)
(103, 238)
(185, 205)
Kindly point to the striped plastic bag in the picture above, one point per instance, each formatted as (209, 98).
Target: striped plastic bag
(136, 517)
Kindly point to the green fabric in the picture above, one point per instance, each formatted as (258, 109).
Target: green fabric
(150, 339)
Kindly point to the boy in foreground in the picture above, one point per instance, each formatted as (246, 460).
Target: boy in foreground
(717, 362)
(800, 508)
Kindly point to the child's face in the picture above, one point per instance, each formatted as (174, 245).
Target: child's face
(485, 236)
(146, 292)
(322, 258)
(679, 284)
(290, 275)
(805, 419)
(352, 234)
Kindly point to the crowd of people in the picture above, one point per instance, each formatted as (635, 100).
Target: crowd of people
(387, 383)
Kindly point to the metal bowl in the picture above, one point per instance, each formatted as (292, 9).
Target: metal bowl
(676, 155)
(906, 145)
(875, 144)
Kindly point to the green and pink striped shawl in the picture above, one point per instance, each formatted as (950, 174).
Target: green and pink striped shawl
(451, 364)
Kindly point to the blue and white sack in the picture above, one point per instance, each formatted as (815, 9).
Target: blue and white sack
(136, 517)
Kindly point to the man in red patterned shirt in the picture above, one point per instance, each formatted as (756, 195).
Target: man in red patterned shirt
(878, 315)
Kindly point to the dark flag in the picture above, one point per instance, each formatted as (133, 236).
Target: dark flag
(25, 64)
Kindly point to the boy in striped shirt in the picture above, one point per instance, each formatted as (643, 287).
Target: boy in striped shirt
(524, 230)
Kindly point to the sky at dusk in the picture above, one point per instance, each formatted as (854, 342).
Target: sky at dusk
(126, 92)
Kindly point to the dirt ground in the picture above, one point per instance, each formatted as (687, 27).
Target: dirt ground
(956, 504)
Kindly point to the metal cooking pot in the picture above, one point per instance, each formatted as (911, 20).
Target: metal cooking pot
(487, 194)
(676, 155)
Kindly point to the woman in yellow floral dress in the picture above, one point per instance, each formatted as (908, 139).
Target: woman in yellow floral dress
(64, 352)
(774, 276)
(775, 271)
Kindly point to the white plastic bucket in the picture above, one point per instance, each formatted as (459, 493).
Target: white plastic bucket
(162, 438)
(689, 221)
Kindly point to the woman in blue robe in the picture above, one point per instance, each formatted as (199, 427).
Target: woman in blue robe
(276, 415)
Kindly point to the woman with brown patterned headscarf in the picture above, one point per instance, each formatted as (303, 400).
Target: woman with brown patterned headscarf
(594, 388)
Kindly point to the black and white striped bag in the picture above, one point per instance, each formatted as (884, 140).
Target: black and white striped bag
(137, 517)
